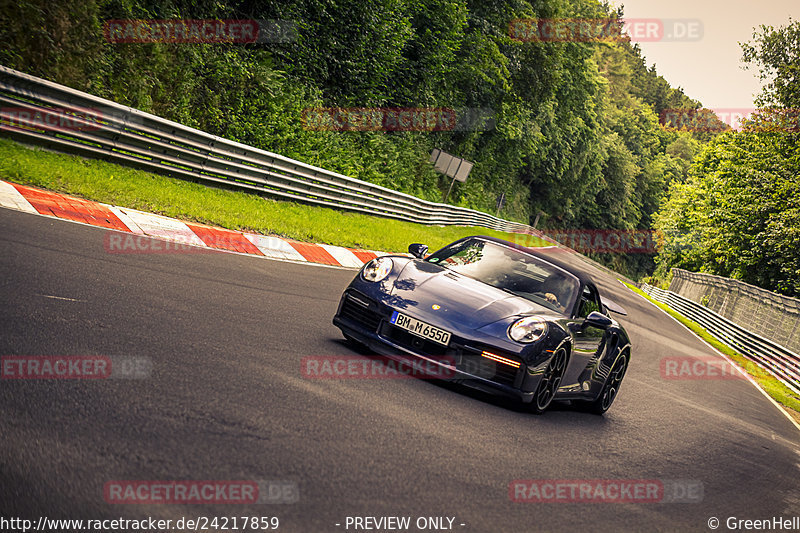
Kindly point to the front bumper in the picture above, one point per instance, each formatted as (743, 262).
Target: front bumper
(462, 361)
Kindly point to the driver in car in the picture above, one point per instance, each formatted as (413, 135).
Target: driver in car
(556, 289)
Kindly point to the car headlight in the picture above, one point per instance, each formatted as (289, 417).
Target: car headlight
(528, 329)
(377, 269)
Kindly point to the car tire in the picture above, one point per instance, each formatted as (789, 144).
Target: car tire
(610, 390)
(551, 380)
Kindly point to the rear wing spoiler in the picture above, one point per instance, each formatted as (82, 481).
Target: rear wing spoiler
(614, 307)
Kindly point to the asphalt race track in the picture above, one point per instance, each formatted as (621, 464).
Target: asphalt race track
(226, 400)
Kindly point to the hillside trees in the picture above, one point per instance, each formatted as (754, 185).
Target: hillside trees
(738, 213)
(571, 134)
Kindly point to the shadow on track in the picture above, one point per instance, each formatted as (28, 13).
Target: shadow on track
(561, 410)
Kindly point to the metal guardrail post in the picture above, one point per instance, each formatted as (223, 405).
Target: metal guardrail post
(130, 137)
(774, 315)
(773, 357)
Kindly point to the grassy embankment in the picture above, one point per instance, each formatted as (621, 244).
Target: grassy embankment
(136, 189)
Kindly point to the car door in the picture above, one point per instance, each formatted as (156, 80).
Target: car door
(587, 340)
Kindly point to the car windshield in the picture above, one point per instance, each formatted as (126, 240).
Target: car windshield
(511, 270)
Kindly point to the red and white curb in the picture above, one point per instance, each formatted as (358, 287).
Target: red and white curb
(186, 234)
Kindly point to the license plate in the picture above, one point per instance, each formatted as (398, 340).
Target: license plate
(421, 329)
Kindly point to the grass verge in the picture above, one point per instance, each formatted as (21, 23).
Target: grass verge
(777, 390)
(117, 185)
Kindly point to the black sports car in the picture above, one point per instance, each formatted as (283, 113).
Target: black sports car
(497, 316)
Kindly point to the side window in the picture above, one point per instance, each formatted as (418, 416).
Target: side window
(589, 302)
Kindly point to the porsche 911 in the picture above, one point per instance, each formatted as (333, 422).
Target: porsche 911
(498, 317)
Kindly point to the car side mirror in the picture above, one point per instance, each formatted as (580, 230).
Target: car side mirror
(418, 250)
(597, 320)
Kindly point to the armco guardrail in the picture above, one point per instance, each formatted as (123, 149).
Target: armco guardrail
(774, 315)
(779, 361)
(76, 122)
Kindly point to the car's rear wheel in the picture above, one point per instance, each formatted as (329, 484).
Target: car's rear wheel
(610, 389)
(551, 380)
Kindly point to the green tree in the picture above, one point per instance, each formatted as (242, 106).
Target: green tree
(738, 213)
(776, 53)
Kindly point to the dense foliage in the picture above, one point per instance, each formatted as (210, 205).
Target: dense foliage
(738, 213)
(575, 141)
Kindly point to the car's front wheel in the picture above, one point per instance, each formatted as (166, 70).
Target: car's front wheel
(551, 380)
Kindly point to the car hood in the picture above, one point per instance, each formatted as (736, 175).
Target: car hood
(442, 296)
